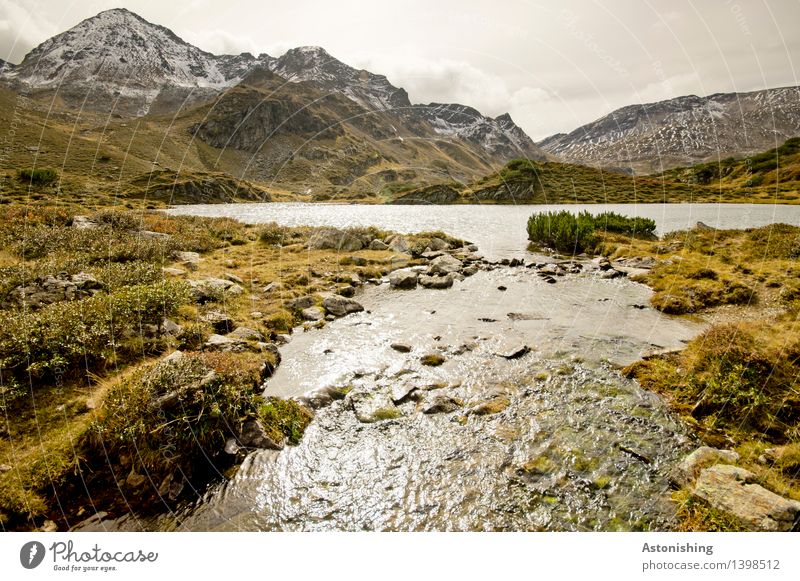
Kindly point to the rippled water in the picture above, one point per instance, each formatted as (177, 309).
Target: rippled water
(574, 446)
(577, 448)
(499, 231)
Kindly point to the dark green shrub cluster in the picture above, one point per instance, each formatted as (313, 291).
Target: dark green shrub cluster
(63, 338)
(38, 177)
(563, 231)
(568, 232)
(629, 226)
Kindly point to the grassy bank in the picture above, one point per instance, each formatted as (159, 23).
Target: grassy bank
(736, 383)
(93, 416)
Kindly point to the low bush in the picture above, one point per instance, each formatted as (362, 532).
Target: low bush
(568, 232)
(38, 177)
(83, 335)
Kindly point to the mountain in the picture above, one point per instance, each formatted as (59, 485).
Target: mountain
(683, 131)
(117, 61)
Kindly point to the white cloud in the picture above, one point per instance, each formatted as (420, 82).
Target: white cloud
(218, 41)
(21, 28)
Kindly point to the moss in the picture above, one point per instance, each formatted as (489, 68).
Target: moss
(432, 359)
(280, 321)
(387, 413)
(286, 418)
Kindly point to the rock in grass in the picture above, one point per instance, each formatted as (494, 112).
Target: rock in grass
(312, 314)
(378, 245)
(340, 306)
(432, 359)
(335, 239)
(732, 490)
(690, 467)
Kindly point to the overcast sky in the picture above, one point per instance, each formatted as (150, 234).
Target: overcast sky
(553, 64)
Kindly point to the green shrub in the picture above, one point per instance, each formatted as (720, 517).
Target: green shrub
(65, 337)
(635, 226)
(272, 234)
(38, 177)
(563, 231)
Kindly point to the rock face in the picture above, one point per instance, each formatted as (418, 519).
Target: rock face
(339, 306)
(732, 490)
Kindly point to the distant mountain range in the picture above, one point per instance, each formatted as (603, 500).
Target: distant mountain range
(653, 137)
(117, 61)
(116, 97)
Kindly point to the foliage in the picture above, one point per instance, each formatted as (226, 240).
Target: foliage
(63, 337)
(38, 177)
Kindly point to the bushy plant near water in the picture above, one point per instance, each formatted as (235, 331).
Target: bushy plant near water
(568, 232)
(176, 416)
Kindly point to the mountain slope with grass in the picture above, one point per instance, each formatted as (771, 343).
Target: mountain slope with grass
(653, 137)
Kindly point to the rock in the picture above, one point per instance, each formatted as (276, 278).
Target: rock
(190, 260)
(403, 279)
(255, 436)
(612, 273)
(491, 406)
(378, 245)
(732, 490)
(399, 244)
(704, 227)
(212, 289)
(173, 357)
(5, 468)
(690, 467)
(432, 359)
(436, 282)
(246, 334)
(526, 317)
(445, 264)
(83, 223)
(300, 303)
(549, 279)
(431, 254)
(171, 328)
(173, 271)
(135, 480)
(469, 270)
(48, 527)
(221, 322)
(372, 407)
(256, 314)
(232, 447)
(335, 239)
(85, 281)
(602, 262)
(441, 404)
(645, 262)
(232, 278)
(153, 235)
(340, 306)
(401, 347)
(472, 247)
(312, 314)
(502, 288)
(437, 244)
(273, 287)
(401, 390)
(346, 291)
(551, 269)
(513, 351)
(222, 343)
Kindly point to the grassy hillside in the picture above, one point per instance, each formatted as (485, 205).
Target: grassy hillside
(771, 175)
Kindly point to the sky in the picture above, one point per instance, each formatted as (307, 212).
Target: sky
(552, 64)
